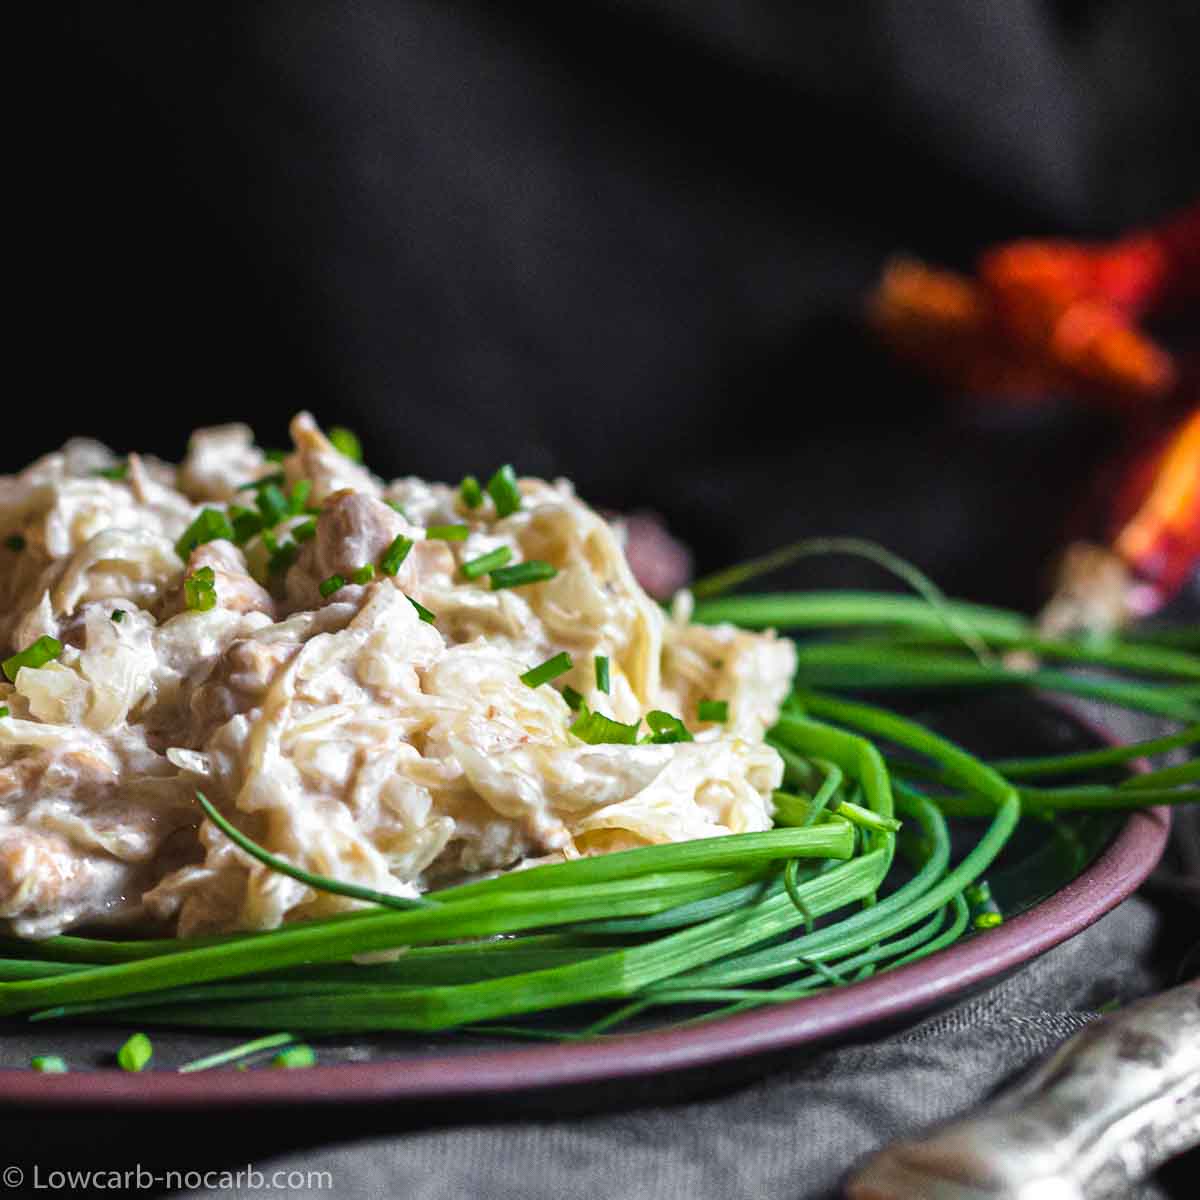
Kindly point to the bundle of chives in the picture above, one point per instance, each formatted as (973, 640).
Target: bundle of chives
(716, 926)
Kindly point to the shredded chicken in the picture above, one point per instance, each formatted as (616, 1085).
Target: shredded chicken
(342, 731)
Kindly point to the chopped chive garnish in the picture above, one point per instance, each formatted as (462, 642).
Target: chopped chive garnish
(210, 525)
(44, 650)
(298, 497)
(116, 473)
(502, 487)
(534, 571)
(602, 680)
(135, 1054)
(199, 590)
(4, 710)
(448, 533)
(275, 456)
(471, 492)
(397, 507)
(985, 912)
(273, 505)
(597, 729)
(221, 1057)
(283, 554)
(486, 562)
(263, 481)
(713, 710)
(395, 554)
(305, 532)
(49, 1064)
(552, 668)
(573, 698)
(295, 1056)
(118, 615)
(15, 542)
(664, 728)
(422, 611)
(364, 574)
(346, 442)
(333, 584)
(246, 523)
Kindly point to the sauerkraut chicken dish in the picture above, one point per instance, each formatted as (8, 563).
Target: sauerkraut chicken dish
(397, 685)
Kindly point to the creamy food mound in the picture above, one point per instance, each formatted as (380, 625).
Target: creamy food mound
(326, 658)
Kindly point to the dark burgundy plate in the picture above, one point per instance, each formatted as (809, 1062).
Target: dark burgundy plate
(1055, 886)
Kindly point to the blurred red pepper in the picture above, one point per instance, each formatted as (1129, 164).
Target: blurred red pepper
(1045, 318)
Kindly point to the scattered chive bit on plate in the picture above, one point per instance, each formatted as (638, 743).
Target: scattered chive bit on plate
(295, 1056)
(586, 838)
(49, 1064)
(135, 1054)
(223, 1058)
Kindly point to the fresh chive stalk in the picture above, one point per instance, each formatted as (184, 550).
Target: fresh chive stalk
(234, 1053)
(283, 867)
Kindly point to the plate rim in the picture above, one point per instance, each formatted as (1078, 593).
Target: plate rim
(1111, 878)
